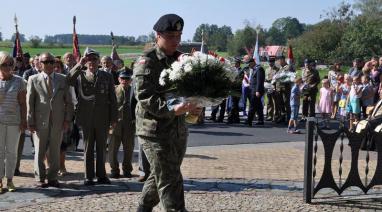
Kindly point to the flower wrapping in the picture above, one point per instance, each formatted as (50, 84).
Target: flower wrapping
(200, 78)
(284, 77)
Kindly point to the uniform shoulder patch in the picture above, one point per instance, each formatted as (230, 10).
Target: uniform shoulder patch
(142, 61)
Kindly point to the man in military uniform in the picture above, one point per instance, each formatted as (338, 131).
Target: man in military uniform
(160, 123)
(270, 72)
(96, 111)
(283, 94)
(311, 79)
(124, 132)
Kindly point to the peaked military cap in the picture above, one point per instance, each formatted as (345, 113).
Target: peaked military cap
(169, 22)
(309, 61)
(88, 51)
(271, 59)
(125, 74)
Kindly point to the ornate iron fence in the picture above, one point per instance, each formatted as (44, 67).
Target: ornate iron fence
(367, 137)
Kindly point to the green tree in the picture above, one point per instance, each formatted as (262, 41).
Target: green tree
(284, 29)
(320, 43)
(216, 37)
(362, 38)
(243, 41)
(370, 8)
(35, 41)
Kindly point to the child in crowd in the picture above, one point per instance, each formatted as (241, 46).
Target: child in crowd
(326, 101)
(354, 106)
(294, 106)
(344, 90)
(337, 94)
(367, 95)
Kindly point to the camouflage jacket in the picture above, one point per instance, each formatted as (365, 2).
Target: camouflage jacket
(154, 118)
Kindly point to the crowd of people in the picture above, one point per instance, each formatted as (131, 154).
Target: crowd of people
(345, 95)
(56, 100)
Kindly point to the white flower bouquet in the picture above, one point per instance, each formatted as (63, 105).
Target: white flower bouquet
(284, 77)
(205, 80)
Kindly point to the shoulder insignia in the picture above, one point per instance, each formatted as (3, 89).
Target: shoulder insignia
(142, 61)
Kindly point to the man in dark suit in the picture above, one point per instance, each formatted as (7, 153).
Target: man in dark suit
(256, 84)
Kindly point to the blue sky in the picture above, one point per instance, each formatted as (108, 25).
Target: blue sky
(126, 17)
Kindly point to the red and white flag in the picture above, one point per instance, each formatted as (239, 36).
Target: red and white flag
(76, 47)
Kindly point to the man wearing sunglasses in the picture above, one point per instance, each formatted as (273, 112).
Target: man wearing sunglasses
(49, 111)
(96, 111)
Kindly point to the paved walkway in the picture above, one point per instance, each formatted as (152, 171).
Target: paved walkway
(253, 177)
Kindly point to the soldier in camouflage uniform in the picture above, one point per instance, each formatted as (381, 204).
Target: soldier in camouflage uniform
(160, 122)
(96, 111)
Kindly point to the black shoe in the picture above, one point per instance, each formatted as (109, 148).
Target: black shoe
(127, 174)
(212, 118)
(269, 119)
(142, 208)
(249, 123)
(103, 180)
(17, 173)
(115, 175)
(54, 183)
(41, 184)
(303, 120)
(89, 182)
(259, 123)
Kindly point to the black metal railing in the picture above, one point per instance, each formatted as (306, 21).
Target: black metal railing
(367, 137)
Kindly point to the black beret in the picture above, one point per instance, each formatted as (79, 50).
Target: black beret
(169, 22)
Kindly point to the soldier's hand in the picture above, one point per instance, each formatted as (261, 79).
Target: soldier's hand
(181, 108)
(83, 60)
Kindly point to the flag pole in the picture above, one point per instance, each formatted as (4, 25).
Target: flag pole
(112, 38)
(17, 51)
(202, 45)
(76, 49)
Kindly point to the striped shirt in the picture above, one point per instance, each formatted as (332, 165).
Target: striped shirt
(9, 105)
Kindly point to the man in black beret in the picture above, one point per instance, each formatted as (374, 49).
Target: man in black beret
(160, 122)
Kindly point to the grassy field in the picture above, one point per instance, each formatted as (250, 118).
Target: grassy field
(59, 51)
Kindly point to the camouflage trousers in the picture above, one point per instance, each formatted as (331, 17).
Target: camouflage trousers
(165, 183)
